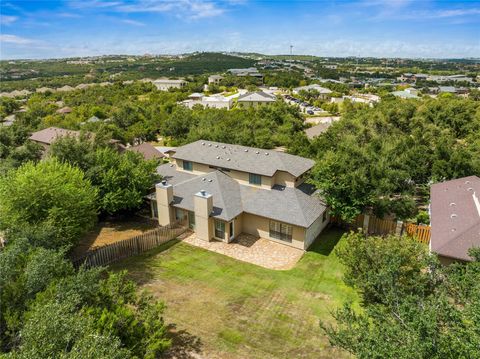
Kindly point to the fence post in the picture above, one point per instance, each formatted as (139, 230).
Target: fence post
(366, 220)
(399, 228)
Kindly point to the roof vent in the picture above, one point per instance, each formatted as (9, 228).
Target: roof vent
(204, 179)
(216, 146)
(470, 189)
(467, 182)
(218, 157)
(453, 204)
(266, 153)
(246, 150)
(203, 143)
(171, 164)
(228, 159)
(223, 147)
(209, 145)
(257, 152)
(453, 229)
(164, 182)
(210, 180)
(203, 192)
(453, 215)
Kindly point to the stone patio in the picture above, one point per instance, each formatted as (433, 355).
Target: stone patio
(251, 249)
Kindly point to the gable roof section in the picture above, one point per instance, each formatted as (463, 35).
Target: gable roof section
(227, 202)
(243, 158)
(258, 96)
(230, 199)
(147, 151)
(49, 135)
(455, 217)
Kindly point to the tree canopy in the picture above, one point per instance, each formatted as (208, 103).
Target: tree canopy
(49, 194)
(411, 306)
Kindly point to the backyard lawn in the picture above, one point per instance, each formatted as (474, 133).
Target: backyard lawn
(223, 308)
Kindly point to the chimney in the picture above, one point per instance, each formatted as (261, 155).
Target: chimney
(164, 194)
(203, 207)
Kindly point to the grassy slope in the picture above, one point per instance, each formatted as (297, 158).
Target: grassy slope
(230, 309)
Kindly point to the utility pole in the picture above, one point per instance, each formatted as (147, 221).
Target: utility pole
(291, 48)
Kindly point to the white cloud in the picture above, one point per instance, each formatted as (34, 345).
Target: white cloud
(7, 20)
(456, 12)
(132, 22)
(14, 39)
(190, 9)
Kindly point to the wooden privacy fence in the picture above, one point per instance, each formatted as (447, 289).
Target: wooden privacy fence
(129, 247)
(420, 232)
(377, 226)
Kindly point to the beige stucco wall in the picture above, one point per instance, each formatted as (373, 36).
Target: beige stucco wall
(241, 177)
(260, 226)
(315, 229)
(284, 179)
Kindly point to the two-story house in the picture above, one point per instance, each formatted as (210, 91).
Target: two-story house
(221, 190)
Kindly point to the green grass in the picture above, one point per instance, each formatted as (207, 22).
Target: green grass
(225, 308)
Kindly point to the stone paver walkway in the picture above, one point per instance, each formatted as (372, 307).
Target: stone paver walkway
(251, 249)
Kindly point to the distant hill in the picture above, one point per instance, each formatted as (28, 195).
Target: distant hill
(208, 62)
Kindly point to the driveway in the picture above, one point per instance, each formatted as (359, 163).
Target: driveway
(251, 249)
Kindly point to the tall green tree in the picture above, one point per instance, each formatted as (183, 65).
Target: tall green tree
(411, 306)
(49, 194)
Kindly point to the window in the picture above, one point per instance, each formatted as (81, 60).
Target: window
(324, 216)
(154, 209)
(219, 229)
(191, 220)
(187, 166)
(255, 179)
(179, 214)
(281, 231)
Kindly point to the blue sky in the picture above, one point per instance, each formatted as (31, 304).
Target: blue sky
(391, 28)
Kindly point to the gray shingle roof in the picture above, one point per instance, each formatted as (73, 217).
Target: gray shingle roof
(169, 173)
(455, 218)
(285, 204)
(242, 158)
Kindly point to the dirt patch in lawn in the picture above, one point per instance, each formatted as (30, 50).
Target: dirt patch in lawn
(113, 230)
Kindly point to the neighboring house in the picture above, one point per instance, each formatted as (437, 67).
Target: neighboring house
(164, 84)
(455, 218)
(255, 99)
(65, 88)
(148, 151)
(215, 101)
(166, 151)
(64, 110)
(250, 71)
(221, 190)
(49, 135)
(405, 94)
(323, 92)
(317, 130)
(447, 89)
(363, 98)
(214, 79)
